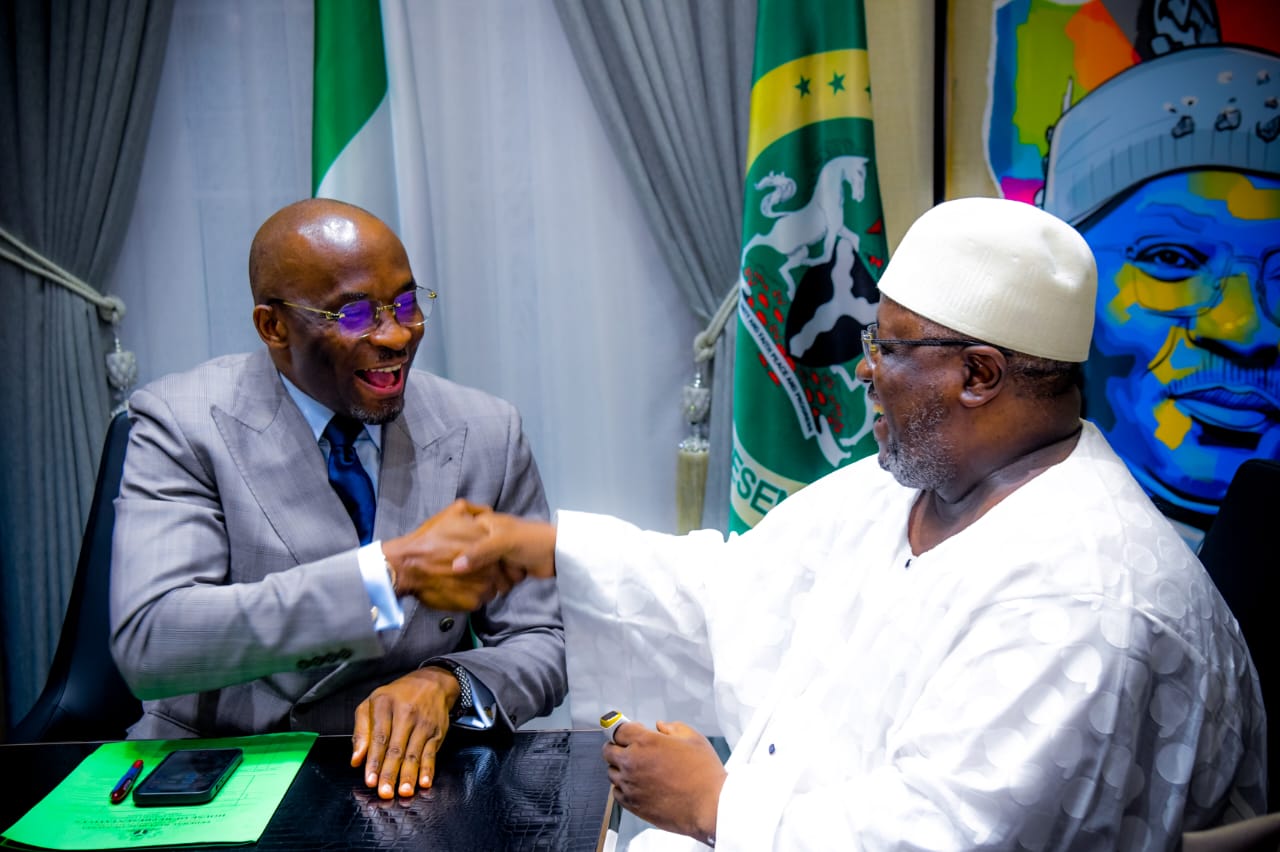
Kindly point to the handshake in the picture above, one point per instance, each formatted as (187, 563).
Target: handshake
(466, 555)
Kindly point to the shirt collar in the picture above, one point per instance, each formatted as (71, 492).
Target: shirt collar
(318, 416)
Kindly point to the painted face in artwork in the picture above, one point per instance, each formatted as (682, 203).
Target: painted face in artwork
(1184, 377)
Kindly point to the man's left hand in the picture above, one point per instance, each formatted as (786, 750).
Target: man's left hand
(399, 729)
(670, 777)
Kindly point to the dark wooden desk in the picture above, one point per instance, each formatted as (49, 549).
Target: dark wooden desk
(544, 790)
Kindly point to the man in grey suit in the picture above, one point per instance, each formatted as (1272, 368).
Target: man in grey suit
(248, 596)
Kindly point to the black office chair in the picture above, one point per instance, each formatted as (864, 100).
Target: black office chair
(85, 698)
(1240, 552)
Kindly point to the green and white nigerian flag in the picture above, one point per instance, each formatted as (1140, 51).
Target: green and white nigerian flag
(352, 153)
(813, 247)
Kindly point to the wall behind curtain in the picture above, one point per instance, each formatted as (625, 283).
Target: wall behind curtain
(553, 293)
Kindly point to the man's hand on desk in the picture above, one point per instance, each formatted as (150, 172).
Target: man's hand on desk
(399, 729)
(670, 777)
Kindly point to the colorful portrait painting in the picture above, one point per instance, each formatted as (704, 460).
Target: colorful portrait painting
(1154, 128)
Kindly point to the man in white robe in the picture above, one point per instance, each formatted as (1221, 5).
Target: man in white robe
(987, 638)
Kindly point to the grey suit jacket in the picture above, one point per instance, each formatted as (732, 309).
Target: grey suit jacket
(236, 600)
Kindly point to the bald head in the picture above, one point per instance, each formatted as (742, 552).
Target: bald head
(304, 234)
(311, 262)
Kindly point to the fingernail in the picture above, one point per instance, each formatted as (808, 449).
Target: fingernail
(385, 791)
(406, 789)
(371, 779)
(461, 563)
(425, 780)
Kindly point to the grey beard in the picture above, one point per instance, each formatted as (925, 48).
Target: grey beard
(919, 457)
(381, 416)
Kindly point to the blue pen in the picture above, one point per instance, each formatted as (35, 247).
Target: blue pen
(125, 784)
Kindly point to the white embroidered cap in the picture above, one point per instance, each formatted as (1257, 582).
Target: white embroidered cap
(999, 271)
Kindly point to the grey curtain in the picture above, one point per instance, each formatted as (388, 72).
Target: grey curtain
(77, 86)
(672, 82)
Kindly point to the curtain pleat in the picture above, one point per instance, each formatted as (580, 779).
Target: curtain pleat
(77, 85)
(672, 82)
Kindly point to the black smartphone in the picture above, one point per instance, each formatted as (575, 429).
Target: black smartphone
(188, 776)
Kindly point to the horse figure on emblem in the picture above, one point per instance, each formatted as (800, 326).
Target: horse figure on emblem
(821, 219)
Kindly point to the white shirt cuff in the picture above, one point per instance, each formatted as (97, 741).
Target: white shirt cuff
(387, 614)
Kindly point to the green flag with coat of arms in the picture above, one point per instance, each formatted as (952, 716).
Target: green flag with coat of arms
(813, 247)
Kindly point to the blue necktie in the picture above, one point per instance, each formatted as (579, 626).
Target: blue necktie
(348, 476)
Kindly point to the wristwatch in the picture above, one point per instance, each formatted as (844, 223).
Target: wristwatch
(465, 703)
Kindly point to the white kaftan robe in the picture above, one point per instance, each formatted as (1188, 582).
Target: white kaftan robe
(1060, 675)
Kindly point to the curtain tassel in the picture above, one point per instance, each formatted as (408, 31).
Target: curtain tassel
(692, 455)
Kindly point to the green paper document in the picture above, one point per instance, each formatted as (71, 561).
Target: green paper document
(77, 814)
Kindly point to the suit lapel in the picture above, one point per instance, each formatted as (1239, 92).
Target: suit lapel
(421, 469)
(283, 467)
(420, 475)
(282, 464)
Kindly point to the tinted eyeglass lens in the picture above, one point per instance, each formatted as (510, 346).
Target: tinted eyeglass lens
(408, 309)
(356, 317)
(360, 318)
